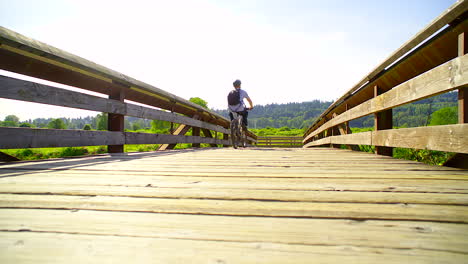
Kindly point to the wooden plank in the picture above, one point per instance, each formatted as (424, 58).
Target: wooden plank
(375, 234)
(146, 138)
(12, 138)
(418, 212)
(447, 77)
(236, 194)
(38, 93)
(207, 133)
(450, 138)
(87, 248)
(412, 183)
(363, 138)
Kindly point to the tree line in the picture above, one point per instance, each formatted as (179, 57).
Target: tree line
(436, 110)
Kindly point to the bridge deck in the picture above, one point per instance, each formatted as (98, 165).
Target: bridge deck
(233, 206)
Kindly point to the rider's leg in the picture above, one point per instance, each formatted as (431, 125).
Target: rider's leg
(231, 116)
(245, 114)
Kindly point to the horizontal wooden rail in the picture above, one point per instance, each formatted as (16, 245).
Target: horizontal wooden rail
(279, 141)
(447, 77)
(12, 88)
(450, 138)
(14, 138)
(26, 56)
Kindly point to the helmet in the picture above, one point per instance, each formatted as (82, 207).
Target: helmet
(236, 83)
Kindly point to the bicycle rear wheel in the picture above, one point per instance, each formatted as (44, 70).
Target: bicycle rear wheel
(234, 139)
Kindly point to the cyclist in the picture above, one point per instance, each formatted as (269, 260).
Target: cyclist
(236, 102)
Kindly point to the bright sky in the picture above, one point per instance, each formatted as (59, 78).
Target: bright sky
(282, 50)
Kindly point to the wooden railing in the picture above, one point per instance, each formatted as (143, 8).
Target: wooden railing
(279, 141)
(432, 63)
(22, 55)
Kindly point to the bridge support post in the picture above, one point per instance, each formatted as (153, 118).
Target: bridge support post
(195, 133)
(383, 120)
(225, 137)
(463, 92)
(460, 160)
(115, 122)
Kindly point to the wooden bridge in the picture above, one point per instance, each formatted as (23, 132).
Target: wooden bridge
(317, 204)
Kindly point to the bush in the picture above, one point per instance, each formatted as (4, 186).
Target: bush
(72, 151)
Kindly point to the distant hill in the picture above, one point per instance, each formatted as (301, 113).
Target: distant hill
(294, 115)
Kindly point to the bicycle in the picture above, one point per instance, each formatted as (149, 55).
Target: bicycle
(238, 131)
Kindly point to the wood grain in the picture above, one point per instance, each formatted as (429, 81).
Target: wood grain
(299, 203)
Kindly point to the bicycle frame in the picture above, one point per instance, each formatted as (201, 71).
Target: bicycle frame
(238, 131)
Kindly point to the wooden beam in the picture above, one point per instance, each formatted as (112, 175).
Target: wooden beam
(115, 122)
(207, 133)
(196, 133)
(444, 78)
(165, 139)
(462, 92)
(382, 121)
(449, 138)
(6, 157)
(181, 130)
(16, 89)
(12, 138)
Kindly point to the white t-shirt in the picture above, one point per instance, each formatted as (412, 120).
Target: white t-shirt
(239, 107)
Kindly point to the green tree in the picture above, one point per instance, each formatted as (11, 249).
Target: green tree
(101, 121)
(444, 116)
(136, 126)
(11, 121)
(199, 101)
(25, 124)
(87, 127)
(158, 125)
(12, 118)
(57, 124)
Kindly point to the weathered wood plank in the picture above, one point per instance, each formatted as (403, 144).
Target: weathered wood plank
(418, 212)
(39, 93)
(236, 194)
(450, 138)
(146, 138)
(381, 234)
(11, 138)
(447, 77)
(85, 248)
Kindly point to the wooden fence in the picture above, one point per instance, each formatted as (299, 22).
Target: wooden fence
(282, 142)
(431, 63)
(29, 57)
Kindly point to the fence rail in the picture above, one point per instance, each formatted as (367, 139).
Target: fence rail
(430, 67)
(25, 56)
(285, 142)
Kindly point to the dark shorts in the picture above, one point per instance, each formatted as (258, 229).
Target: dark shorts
(244, 114)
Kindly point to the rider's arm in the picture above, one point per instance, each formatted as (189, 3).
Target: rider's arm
(250, 101)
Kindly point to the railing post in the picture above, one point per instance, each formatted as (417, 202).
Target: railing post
(383, 120)
(196, 133)
(225, 137)
(463, 92)
(115, 122)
